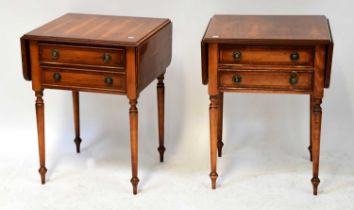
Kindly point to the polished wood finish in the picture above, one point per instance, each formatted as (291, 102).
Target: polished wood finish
(76, 108)
(317, 95)
(107, 30)
(266, 80)
(132, 94)
(82, 56)
(102, 54)
(310, 145)
(40, 127)
(159, 46)
(213, 110)
(266, 54)
(26, 60)
(83, 80)
(133, 118)
(259, 55)
(268, 29)
(161, 115)
(220, 122)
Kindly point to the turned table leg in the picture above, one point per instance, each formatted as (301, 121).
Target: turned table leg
(316, 135)
(161, 114)
(310, 146)
(40, 128)
(220, 144)
(213, 117)
(133, 116)
(76, 108)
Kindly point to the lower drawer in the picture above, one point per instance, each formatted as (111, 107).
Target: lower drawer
(67, 78)
(267, 80)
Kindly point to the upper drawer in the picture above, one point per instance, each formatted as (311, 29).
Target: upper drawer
(292, 56)
(84, 56)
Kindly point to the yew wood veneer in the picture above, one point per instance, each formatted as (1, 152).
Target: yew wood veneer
(266, 54)
(103, 54)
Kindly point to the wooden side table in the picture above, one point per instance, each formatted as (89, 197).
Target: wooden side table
(268, 54)
(103, 54)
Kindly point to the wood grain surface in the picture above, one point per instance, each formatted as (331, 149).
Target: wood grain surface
(99, 29)
(268, 28)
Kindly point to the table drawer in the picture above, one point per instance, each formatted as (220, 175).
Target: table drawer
(84, 56)
(67, 78)
(301, 56)
(290, 80)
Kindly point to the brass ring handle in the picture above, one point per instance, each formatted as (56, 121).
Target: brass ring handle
(236, 79)
(57, 77)
(294, 78)
(106, 57)
(294, 56)
(108, 81)
(237, 55)
(55, 54)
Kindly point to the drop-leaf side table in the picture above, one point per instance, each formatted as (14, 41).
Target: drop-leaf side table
(102, 54)
(266, 54)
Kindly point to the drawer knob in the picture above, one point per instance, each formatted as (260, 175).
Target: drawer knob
(108, 81)
(55, 54)
(57, 77)
(236, 79)
(237, 55)
(294, 56)
(106, 57)
(294, 78)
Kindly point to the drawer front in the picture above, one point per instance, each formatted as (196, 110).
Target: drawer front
(81, 56)
(67, 78)
(267, 80)
(291, 56)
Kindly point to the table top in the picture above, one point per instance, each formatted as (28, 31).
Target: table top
(98, 29)
(284, 30)
(276, 29)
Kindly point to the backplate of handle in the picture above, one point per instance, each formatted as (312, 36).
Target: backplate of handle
(55, 54)
(106, 57)
(294, 78)
(108, 81)
(237, 55)
(236, 79)
(57, 76)
(294, 56)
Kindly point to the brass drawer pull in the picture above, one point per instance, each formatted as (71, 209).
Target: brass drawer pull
(106, 57)
(294, 78)
(55, 54)
(294, 56)
(57, 77)
(236, 79)
(108, 81)
(237, 55)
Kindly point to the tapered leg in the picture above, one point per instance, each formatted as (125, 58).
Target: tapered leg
(161, 114)
(76, 108)
(310, 146)
(133, 116)
(40, 128)
(213, 117)
(220, 120)
(316, 135)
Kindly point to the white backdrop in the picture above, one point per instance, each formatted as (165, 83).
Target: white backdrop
(265, 163)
